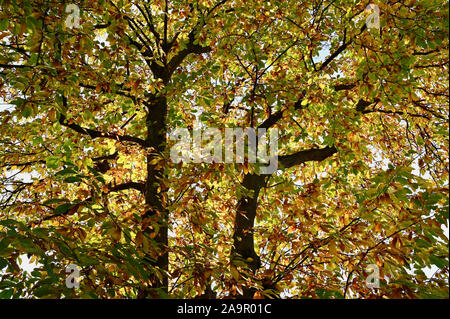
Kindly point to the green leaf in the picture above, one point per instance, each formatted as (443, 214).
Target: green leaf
(27, 111)
(3, 263)
(438, 261)
(33, 59)
(66, 171)
(4, 24)
(52, 162)
(62, 209)
(6, 294)
(422, 243)
(72, 179)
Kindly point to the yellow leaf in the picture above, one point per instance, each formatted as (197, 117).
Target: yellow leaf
(155, 161)
(52, 115)
(146, 244)
(333, 247)
(115, 233)
(139, 238)
(234, 273)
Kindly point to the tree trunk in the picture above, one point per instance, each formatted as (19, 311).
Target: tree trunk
(243, 240)
(156, 141)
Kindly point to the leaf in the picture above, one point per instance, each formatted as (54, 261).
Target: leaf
(52, 162)
(62, 209)
(235, 273)
(4, 24)
(27, 111)
(115, 232)
(438, 261)
(66, 171)
(3, 263)
(55, 200)
(72, 179)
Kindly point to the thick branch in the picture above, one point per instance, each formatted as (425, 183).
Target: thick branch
(129, 185)
(14, 66)
(180, 56)
(339, 50)
(300, 157)
(275, 117)
(362, 104)
(97, 134)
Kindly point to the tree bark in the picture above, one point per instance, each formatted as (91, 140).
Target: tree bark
(243, 238)
(156, 141)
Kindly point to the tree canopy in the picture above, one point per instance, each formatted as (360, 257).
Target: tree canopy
(92, 89)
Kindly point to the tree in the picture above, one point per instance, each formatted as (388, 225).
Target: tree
(92, 90)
